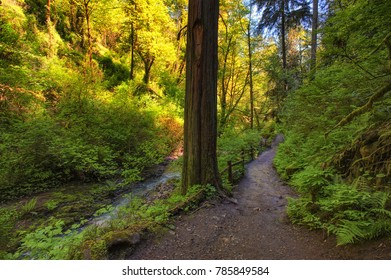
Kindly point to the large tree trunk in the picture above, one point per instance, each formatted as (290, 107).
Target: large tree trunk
(200, 133)
(314, 33)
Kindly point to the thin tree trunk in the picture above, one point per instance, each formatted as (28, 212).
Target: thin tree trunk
(132, 51)
(89, 36)
(250, 69)
(224, 85)
(283, 48)
(200, 132)
(283, 31)
(49, 26)
(314, 33)
(148, 62)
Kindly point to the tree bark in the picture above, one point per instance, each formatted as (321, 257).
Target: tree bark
(314, 33)
(283, 45)
(87, 12)
(224, 83)
(200, 131)
(49, 27)
(250, 69)
(283, 31)
(132, 51)
(148, 62)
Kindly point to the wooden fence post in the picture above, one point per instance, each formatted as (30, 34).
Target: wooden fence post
(230, 174)
(231, 165)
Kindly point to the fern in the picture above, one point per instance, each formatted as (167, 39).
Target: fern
(310, 177)
(380, 228)
(299, 214)
(28, 206)
(381, 212)
(378, 199)
(351, 231)
(349, 213)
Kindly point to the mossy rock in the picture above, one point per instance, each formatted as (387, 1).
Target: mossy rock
(94, 250)
(122, 238)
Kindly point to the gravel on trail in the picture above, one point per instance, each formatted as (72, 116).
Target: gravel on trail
(257, 227)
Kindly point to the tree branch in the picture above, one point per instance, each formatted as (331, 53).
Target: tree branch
(358, 65)
(384, 41)
(366, 107)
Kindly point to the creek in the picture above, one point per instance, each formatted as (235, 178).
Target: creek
(108, 209)
(141, 189)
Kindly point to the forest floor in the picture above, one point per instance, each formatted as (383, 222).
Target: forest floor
(257, 227)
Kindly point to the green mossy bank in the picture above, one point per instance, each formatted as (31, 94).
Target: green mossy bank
(337, 127)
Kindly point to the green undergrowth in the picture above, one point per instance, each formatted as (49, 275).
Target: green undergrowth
(337, 151)
(43, 227)
(72, 204)
(63, 119)
(237, 145)
(346, 211)
(58, 241)
(95, 140)
(353, 209)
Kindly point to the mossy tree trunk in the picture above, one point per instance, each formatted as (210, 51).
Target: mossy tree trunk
(200, 133)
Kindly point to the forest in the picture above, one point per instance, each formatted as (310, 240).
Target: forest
(99, 100)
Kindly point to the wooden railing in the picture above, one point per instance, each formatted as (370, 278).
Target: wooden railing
(230, 168)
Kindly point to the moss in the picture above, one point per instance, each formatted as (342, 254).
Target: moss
(93, 250)
(99, 250)
(122, 237)
(110, 243)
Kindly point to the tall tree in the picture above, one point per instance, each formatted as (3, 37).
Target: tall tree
(49, 26)
(87, 8)
(132, 35)
(314, 34)
(152, 34)
(281, 15)
(250, 67)
(200, 133)
(178, 12)
(233, 71)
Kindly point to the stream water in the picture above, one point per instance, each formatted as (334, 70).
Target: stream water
(139, 190)
(101, 218)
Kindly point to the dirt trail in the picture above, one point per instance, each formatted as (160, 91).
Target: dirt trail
(257, 227)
